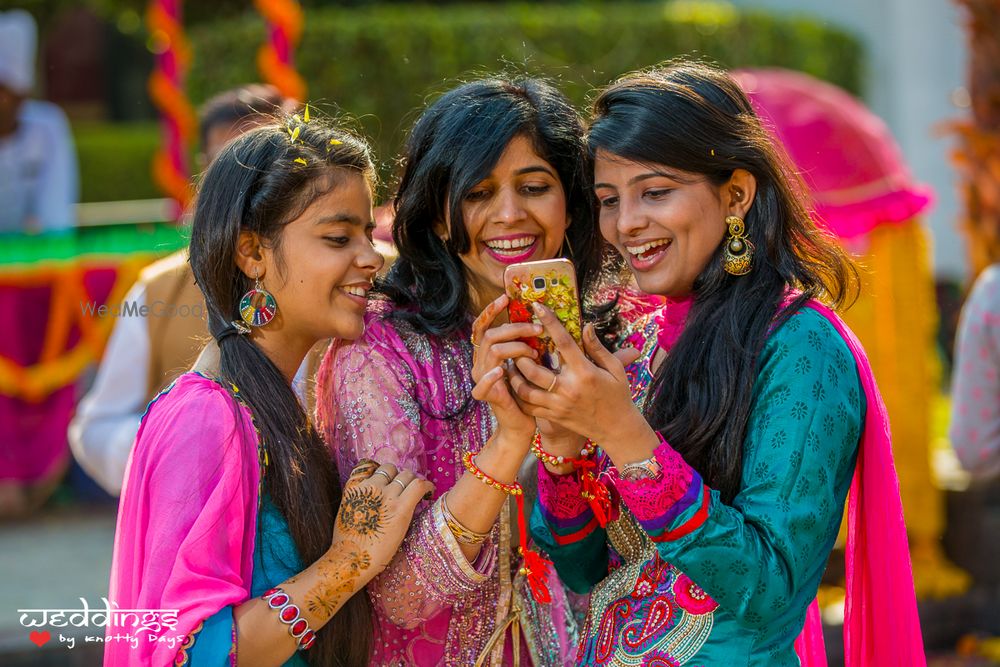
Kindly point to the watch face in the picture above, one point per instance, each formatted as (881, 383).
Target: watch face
(648, 469)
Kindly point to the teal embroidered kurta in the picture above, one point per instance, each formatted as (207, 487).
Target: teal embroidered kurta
(681, 578)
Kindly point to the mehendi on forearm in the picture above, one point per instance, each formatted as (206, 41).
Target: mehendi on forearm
(339, 574)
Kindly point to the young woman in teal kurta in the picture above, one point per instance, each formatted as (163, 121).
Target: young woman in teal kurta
(762, 556)
(728, 438)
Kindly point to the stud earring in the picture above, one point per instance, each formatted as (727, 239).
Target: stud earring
(258, 307)
(739, 250)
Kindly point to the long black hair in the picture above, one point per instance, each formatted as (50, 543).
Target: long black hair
(260, 182)
(695, 118)
(454, 145)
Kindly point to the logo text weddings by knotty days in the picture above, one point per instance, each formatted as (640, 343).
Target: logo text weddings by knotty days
(110, 624)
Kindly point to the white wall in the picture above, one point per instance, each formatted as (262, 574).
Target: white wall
(916, 59)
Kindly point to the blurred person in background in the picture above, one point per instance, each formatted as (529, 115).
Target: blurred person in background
(38, 191)
(975, 407)
(144, 355)
(39, 180)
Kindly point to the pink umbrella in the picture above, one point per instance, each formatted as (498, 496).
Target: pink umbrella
(844, 152)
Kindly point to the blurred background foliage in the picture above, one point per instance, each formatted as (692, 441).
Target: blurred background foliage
(381, 62)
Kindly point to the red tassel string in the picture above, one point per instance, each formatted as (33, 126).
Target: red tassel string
(594, 491)
(535, 566)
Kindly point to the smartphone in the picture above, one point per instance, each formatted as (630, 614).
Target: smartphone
(552, 283)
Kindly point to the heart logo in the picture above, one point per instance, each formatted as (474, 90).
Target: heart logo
(40, 638)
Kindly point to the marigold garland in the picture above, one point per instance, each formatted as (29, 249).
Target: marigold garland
(275, 59)
(166, 89)
(58, 367)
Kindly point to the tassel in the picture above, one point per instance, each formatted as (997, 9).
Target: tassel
(535, 567)
(594, 492)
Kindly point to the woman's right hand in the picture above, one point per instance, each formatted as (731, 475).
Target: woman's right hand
(495, 348)
(375, 513)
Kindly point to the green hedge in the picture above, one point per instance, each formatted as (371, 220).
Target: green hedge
(384, 62)
(115, 160)
(381, 64)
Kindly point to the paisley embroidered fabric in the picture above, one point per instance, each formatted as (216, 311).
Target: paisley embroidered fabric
(383, 397)
(690, 580)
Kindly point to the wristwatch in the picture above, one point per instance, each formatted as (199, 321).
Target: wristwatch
(647, 469)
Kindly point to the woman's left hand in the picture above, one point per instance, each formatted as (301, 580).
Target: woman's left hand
(592, 398)
(495, 348)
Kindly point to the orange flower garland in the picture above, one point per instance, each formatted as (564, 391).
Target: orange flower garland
(275, 58)
(166, 89)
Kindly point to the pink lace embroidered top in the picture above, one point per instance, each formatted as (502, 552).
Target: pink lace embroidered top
(386, 397)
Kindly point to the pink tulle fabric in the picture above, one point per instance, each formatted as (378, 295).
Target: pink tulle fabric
(855, 171)
(881, 625)
(187, 518)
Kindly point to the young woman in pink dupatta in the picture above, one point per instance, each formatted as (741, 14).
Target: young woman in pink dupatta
(495, 172)
(727, 447)
(233, 525)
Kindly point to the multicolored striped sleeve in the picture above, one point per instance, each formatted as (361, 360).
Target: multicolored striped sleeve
(567, 529)
(670, 506)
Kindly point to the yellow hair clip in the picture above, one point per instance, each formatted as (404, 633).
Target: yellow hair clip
(335, 142)
(295, 134)
(306, 114)
(300, 160)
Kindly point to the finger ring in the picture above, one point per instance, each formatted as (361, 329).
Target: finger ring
(553, 385)
(472, 339)
(402, 485)
(382, 472)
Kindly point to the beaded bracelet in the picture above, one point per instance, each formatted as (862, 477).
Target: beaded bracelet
(512, 489)
(462, 534)
(289, 614)
(536, 448)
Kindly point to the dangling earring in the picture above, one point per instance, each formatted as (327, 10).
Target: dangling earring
(567, 244)
(257, 307)
(739, 249)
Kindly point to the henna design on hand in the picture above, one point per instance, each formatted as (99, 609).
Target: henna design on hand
(339, 573)
(362, 471)
(362, 512)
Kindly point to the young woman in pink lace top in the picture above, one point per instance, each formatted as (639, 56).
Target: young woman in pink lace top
(495, 173)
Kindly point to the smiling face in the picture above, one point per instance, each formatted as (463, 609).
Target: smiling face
(667, 224)
(327, 265)
(516, 214)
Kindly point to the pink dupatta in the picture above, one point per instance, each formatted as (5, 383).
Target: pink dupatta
(187, 518)
(881, 625)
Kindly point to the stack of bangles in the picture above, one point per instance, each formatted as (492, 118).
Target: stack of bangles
(289, 614)
(462, 534)
(536, 448)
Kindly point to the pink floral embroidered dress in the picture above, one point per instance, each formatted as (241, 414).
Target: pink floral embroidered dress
(399, 396)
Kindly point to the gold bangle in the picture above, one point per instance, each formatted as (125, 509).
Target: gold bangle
(462, 534)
